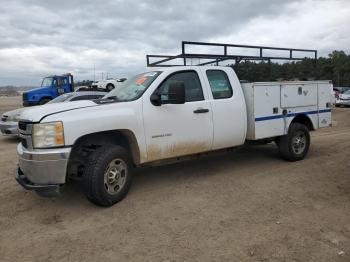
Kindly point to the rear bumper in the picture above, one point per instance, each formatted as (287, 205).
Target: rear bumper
(9, 128)
(43, 167)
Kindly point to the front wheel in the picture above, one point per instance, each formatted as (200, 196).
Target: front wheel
(107, 175)
(295, 145)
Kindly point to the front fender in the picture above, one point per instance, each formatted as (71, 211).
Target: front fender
(105, 117)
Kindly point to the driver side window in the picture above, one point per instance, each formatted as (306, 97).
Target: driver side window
(193, 88)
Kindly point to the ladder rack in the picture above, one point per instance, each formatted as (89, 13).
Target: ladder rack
(160, 60)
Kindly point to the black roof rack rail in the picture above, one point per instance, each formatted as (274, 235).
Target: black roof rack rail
(160, 60)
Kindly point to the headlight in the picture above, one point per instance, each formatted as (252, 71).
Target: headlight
(48, 135)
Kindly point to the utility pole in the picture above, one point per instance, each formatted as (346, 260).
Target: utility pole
(94, 73)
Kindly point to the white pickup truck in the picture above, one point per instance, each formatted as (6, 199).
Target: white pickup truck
(159, 115)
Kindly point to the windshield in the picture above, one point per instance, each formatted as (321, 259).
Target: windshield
(134, 87)
(61, 98)
(347, 92)
(47, 81)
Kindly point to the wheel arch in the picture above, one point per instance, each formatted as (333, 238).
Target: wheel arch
(305, 120)
(122, 137)
(110, 84)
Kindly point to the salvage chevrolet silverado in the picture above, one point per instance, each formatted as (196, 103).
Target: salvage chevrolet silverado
(163, 114)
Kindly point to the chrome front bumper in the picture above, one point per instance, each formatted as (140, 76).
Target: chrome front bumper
(44, 166)
(9, 128)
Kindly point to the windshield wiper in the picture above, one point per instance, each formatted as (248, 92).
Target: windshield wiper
(112, 97)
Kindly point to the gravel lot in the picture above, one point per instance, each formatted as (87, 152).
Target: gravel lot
(246, 205)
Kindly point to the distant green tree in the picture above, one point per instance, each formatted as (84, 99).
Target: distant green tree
(335, 67)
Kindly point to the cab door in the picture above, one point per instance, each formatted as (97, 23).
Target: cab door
(174, 130)
(228, 106)
(62, 85)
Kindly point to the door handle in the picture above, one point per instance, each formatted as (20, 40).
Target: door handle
(201, 111)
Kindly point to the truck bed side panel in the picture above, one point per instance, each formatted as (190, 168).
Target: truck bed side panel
(271, 107)
(267, 105)
(324, 97)
(298, 95)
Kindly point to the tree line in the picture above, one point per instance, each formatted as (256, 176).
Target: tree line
(335, 67)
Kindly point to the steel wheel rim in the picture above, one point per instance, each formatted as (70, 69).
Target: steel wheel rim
(299, 142)
(115, 176)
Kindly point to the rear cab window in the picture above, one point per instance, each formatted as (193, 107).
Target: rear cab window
(219, 84)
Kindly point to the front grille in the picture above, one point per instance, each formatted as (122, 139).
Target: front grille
(25, 96)
(25, 130)
(4, 118)
(22, 125)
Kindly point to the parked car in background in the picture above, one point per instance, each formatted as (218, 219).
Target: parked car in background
(108, 84)
(82, 88)
(343, 99)
(338, 90)
(9, 120)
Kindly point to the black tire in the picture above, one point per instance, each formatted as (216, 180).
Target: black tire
(110, 87)
(94, 183)
(288, 145)
(44, 101)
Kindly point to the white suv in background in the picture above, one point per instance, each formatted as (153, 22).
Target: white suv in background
(107, 84)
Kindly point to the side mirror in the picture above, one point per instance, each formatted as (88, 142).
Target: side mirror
(156, 100)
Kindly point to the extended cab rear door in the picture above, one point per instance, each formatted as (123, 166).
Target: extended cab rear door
(228, 106)
(173, 130)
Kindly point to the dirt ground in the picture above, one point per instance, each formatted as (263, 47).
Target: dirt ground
(246, 205)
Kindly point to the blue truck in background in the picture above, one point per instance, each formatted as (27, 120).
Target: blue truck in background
(51, 87)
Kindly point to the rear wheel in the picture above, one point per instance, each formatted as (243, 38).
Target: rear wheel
(295, 145)
(110, 87)
(107, 176)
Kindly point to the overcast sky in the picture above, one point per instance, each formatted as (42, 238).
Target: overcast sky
(43, 37)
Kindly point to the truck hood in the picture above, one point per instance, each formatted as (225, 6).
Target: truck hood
(14, 112)
(35, 114)
(37, 89)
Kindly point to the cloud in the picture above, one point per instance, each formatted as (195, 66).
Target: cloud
(41, 37)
